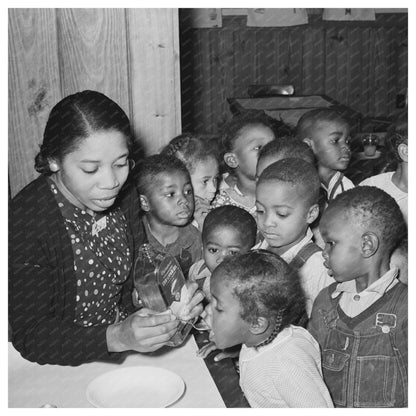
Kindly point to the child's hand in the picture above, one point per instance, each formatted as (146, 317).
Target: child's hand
(202, 207)
(211, 346)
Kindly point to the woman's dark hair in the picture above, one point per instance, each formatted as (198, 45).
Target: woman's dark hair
(75, 118)
(190, 148)
(265, 285)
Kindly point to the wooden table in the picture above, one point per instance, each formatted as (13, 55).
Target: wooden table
(208, 384)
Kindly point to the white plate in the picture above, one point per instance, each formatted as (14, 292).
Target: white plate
(136, 387)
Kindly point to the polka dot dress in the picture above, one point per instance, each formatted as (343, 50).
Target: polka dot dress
(102, 261)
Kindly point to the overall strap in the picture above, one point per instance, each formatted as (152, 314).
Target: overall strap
(335, 187)
(387, 322)
(303, 255)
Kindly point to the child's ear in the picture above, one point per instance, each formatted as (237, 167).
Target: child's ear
(312, 213)
(309, 142)
(402, 151)
(144, 203)
(260, 326)
(231, 160)
(369, 244)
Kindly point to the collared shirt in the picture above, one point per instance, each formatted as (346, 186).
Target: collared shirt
(187, 248)
(285, 373)
(344, 185)
(313, 274)
(353, 302)
(231, 195)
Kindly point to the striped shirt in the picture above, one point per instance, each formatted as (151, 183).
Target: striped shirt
(284, 373)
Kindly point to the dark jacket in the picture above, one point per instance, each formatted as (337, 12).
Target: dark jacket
(42, 282)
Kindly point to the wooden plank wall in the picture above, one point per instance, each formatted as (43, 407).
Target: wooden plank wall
(131, 55)
(360, 64)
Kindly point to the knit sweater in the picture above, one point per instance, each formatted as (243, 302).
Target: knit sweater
(42, 283)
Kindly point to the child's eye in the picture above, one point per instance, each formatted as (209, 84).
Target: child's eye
(170, 194)
(218, 309)
(282, 215)
(233, 252)
(330, 244)
(213, 250)
(259, 211)
(188, 192)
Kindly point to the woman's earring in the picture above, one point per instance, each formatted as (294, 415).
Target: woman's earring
(132, 164)
(53, 166)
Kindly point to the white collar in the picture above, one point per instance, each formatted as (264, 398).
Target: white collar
(380, 286)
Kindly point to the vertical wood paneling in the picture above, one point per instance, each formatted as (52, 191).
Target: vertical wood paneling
(33, 87)
(313, 61)
(153, 36)
(93, 52)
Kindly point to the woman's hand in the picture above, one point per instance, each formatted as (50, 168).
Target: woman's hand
(202, 207)
(142, 331)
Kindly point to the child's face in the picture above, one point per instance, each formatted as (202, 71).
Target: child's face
(221, 243)
(171, 200)
(282, 214)
(342, 252)
(248, 145)
(204, 178)
(228, 326)
(330, 143)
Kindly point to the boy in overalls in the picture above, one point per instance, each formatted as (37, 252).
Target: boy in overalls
(360, 322)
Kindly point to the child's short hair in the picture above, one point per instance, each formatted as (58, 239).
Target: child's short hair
(233, 128)
(147, 170)
(288, 146)
(397, 135)
(375, 210)
(310, 119)
(229, 216)
(298, 173)
(265, 285)
(190, 148)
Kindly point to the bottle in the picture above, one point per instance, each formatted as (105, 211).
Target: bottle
(160, 285)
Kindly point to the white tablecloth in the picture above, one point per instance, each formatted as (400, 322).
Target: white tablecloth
(34, 385)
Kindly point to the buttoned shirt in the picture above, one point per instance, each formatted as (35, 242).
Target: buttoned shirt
(353, 302)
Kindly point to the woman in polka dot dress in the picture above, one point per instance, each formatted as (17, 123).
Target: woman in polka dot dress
(71, 243)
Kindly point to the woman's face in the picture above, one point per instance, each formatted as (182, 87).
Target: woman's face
(92, 175)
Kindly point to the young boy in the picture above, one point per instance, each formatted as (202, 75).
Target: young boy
(256, 299)
(282, 148)
(167, 204)
(360, 322)
(328, 134)
(287, 203)
(227, 231)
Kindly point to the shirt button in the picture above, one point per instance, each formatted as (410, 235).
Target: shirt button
(356, 297)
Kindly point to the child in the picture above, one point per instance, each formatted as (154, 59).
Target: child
(287, 203)
(395, 183)
(256, 298)
(244, 138)
(360, 322)
(282, 148)
(328, 135)
(227, 231)
(167, 204)
(202, 164)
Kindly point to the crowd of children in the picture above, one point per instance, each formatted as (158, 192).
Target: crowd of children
(297, 265)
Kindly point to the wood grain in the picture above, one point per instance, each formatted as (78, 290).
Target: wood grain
(93, 52)
(153, 38)
(34, 87)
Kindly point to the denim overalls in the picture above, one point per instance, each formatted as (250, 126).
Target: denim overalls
(364, 358)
